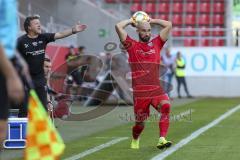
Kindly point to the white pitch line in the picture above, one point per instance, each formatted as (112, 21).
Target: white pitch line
(97, 148)
(195, 135)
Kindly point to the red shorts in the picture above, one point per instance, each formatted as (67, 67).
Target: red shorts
(142, 105)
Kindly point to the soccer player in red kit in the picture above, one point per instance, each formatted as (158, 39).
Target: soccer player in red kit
(144, 59)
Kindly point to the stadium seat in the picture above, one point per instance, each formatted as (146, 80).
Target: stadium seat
(218, 19)
(189, 42)
(205, 42)
(110, 1)
(218, 42)
(125, 1)
(190, 32)
(218, 7)
(162, 16)
(205, 7)
(191, 7)
(177, 19)
(194, 1)
(204, 19)
(136, 7)
(204, 31)
(190, 19)
(218, 31)
(137, 1)
(163, 8)
(150, 8)
(177, 7)
(151, 1)
(176, 32)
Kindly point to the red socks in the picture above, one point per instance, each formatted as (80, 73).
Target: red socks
(137, 130)
(164, 120)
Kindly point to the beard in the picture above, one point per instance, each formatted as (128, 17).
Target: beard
(145, 38)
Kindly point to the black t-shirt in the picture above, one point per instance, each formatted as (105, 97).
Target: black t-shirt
(33, 51)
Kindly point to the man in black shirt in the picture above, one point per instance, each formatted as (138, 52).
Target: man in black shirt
(32, 47)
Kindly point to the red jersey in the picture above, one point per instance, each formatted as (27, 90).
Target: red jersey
(144, 60)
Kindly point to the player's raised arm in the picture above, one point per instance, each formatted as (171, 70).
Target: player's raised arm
(68, 32)
(167, 26)
(120, 29)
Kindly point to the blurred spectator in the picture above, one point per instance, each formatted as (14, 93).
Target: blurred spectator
(72, 60)
(168, 61)
(81, 50)
(47, 70)
(180, 75)
(71, 54)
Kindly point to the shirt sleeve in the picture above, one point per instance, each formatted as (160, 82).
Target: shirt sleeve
(49, 37)
(8, 26)
(129, 44)
(159, 42)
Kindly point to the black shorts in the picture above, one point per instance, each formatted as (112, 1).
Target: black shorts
(4, 102)
(42, 95)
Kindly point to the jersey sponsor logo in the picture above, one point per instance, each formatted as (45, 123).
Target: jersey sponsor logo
(151, 51)
(26, 45)
(34, 44)
(35, 53)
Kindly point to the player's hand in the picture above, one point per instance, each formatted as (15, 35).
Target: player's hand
(132, 22)
(79, 27)
(150, 20)
(15, 88)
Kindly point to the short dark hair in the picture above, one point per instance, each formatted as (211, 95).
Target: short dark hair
(28, 21)
(81, 48)
(47, 59)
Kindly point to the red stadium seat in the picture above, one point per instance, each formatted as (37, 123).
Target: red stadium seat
(162, 16)
(205, 42)
(195, 1)
(110, 1)
(218, 7)
(151, 1)
(137, 1)
(190, 32)
(218, 31)
(204, 19)
(204, 31)
(125, 1)
(177, 7)
(205, 7)
(191, 7)
(189, 42)
(163, 8)
(218, 42)
(150, 8)
(177, 19)
(190, 19)
(136, 7)
(218, 19)
(176, 32)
